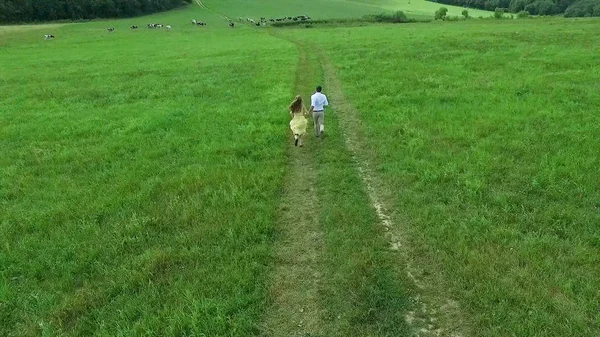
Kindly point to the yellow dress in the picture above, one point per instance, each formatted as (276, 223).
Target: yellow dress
(298, 123)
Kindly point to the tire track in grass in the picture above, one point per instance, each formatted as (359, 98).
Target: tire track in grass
(296, 278)
(356, 291)
(359, 291)
(203, 6)
(434, 313)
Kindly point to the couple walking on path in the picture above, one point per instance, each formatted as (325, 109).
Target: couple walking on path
(298, 124)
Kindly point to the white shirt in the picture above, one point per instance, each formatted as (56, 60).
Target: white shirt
(318, 101)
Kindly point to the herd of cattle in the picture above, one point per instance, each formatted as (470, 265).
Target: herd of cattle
(198, 23)
(154, 25)
(261, 22)
(150, 25)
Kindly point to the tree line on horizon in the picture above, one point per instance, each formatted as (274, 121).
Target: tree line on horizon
(17, 11)
(569, 8)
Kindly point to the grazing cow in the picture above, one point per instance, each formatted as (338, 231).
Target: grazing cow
(231, 24)
(48, 36)
(134, 27)
(168, 27)
(257, 24)
(110, 29)
(272, 20)
(194, 21)
(200, 23)
(158, 25)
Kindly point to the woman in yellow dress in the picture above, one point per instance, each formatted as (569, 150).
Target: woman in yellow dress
(298, 123)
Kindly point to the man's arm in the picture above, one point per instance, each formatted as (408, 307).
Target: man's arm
(312, 104)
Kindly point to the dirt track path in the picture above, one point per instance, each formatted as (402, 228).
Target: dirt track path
(434, 313)
(296, 280)
(296, 310)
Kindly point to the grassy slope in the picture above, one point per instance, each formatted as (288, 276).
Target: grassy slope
(140, 172)
(319, 9)
(491, 142)
(419, 8)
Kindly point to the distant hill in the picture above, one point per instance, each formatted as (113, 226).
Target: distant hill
(332, 9)
(14, 11)
(570, 8)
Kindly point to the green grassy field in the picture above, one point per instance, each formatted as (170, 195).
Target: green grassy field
(139, 179)
(491, 144)
(318, 9)
(141, 171)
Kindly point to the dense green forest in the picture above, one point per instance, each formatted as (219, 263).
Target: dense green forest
(570, 8)
(49, 10)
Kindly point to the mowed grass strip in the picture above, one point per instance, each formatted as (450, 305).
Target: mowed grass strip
(365, 292)
(432, 311)
(362, 292)
(140, 175)
(488, 131)
(297, 278)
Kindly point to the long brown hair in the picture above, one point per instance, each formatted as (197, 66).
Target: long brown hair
(296, 105)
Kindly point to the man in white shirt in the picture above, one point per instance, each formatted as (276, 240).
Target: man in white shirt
(318, 102)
